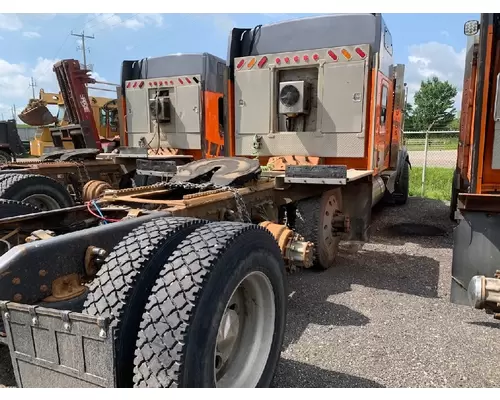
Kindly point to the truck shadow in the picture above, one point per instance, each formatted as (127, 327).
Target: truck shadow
(310, 290)
(489, 324)
(420, 221)
(294, 374)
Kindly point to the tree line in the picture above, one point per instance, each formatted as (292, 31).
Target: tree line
(433, 107)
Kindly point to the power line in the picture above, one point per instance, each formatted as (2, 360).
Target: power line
(118, 23)
(82, 36)
(55, 56)
(101, 21)
(33, 85)
(90, 20)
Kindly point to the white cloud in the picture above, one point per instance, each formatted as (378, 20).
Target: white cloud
(445, 33)
(31, 35)
(1, 37)
(7, 68)
(435, 59)
(10, 22)
(112, 21)
(223, 23)
(97, 77)
(128, 48)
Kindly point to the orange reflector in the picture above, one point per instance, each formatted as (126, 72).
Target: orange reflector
(346, 54)
(251, 63)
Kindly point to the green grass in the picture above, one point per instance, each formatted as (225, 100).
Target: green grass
(437, 182)
(434, 144)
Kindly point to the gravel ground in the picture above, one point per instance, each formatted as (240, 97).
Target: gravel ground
(382, 317)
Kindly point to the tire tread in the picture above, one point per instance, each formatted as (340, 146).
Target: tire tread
(117, 280)
(159, 354)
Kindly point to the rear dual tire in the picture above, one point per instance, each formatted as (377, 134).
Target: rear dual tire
(174, 298)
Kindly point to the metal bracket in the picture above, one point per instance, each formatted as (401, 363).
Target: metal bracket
(33, 315)
(66, 320)
(103, 323)
(316, 174)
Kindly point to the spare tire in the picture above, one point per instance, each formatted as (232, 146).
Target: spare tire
(40, 191)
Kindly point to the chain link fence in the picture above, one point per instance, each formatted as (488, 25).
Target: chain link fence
(433, 156)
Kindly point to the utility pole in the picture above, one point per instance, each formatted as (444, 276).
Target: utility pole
(33, 85)
(83, 37)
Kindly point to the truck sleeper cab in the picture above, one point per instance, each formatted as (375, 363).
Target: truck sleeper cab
(323, 87)
(174, 104)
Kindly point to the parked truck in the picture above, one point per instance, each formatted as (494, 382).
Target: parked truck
(476, 202)
(183, 283)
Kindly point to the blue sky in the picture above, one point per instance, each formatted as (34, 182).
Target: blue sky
(429, 44)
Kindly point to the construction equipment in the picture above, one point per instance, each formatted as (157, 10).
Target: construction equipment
(37, 114)
(182, 283)
(475, 199)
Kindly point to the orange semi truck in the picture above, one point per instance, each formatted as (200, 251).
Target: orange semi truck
(476, 185)
(183, 283)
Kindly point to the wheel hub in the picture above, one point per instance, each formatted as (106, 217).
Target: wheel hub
(42, 201)
(226, 338)
(245, 333)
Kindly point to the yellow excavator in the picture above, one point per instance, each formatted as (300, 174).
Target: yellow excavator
(36, 113)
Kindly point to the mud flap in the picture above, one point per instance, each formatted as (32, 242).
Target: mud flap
(476, 251)
(58, 349)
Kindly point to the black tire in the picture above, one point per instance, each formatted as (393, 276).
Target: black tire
(176, 343)
(21, 186)
(5, 157)
(402, 189)
(312, 218)
(122, 285)
(12, 208)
